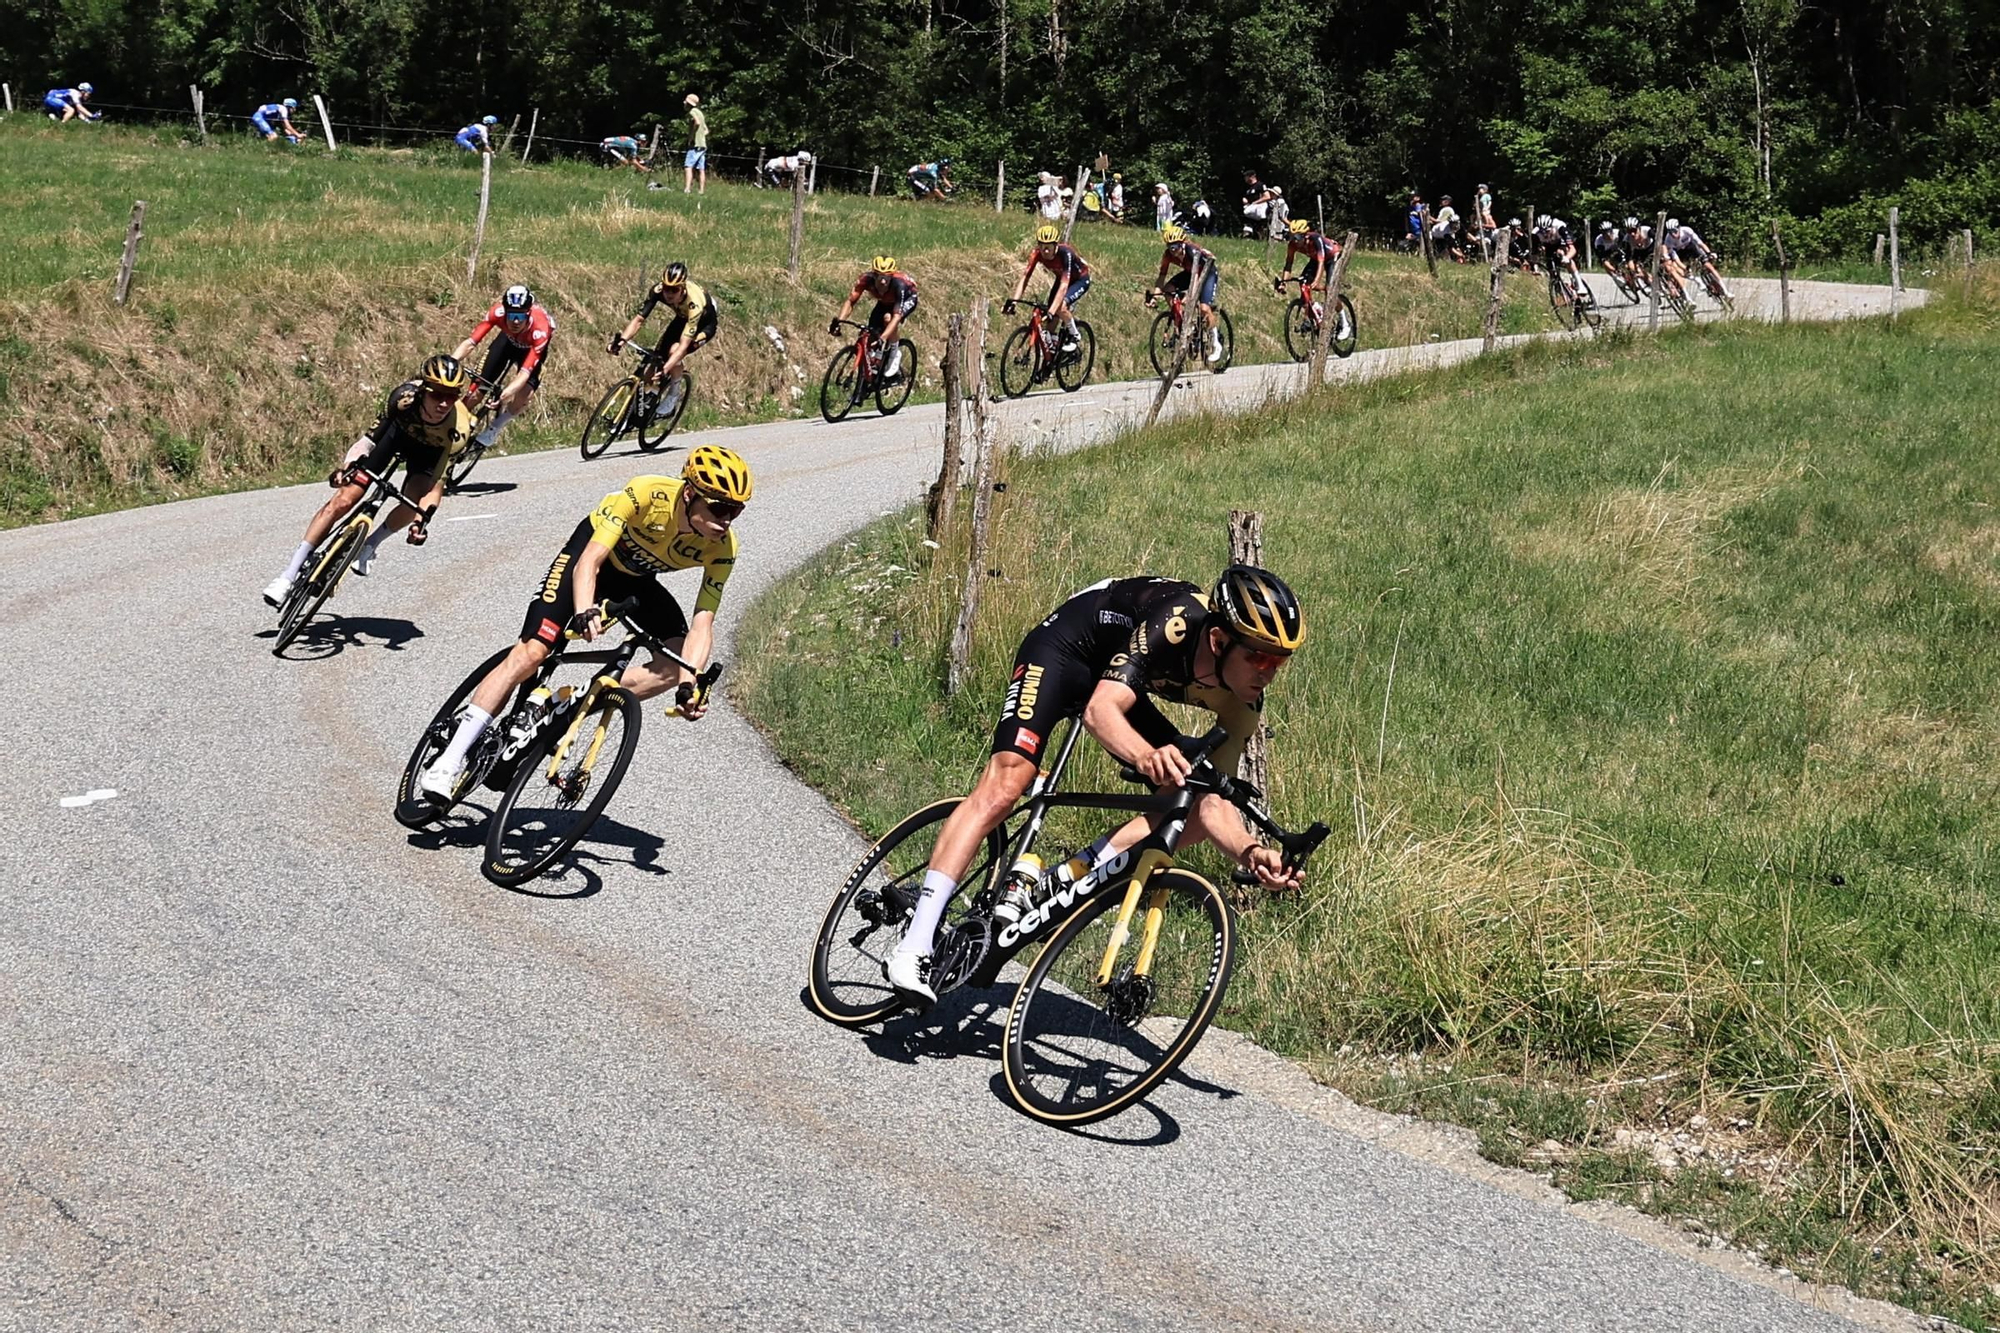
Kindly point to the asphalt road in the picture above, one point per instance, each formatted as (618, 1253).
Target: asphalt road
(268, 1062)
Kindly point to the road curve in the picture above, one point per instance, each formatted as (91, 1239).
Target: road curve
(267, 1062)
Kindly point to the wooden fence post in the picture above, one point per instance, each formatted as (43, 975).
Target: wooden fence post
(1190, 310)
(1000, 188)
(874, 175)
(812, 176)
(507, 143)
(200, 119)
(1659, 234)
(1075, 202)
(1880, 241)
(1784, 277)
(984, 449)
(325, 121)
(1895, 265)
(479, 228)
(757, 167)
(534, 119)
(798, 218)
(1331, 317)
(1246, 547)
(1430, 255)
(7, 91)
(943, 499)
(132, 234)
(1495, 251)
(653, 149)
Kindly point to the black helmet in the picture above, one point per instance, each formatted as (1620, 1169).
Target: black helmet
(444, 372)
(517, 300)
(675, 276)
(1257, 608)
(944, 162)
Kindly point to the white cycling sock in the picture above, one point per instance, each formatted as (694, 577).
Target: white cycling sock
(492, 432)
(1098, 852)
(471, 726)
(375, 540)
(919, 935)
(298, 561)
(895, 359)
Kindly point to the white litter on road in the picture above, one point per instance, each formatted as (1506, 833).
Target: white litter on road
(88, 798)
(467, 518)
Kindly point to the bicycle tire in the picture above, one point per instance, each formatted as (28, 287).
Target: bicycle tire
(420, 812)
(654, 428)
(1586, 306)
(837, 395)
(608, 421)
(1071, 1080)
(1563, 308)
(844, 979)
(1299, 329)
(1344, 347)
(461, 466)
(327, 570)
(544, 851)
(1017, 363)
(1677, 298)
(1073, 370)
(1161, 344)
(889, 398)
(1228, 331)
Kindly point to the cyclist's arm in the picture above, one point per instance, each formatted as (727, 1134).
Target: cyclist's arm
(474, 338)
(847, 306)
(1104, 718)
(1021, 287)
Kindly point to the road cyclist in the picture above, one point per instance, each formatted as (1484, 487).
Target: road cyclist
(526, 331)
(1303, 318)
(1071, 281)
(931, 180)
(1688, 254)
(623, 150)
(895, 294)
(263, 117)
(478, 136)
(1104, 654)
(691, 322)
(1608, 246)
(1184, 254)
(655, 525)
(68, 103)
(423, 424)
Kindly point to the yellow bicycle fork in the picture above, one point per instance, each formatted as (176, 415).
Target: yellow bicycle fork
(556, 755)
(1149, 929)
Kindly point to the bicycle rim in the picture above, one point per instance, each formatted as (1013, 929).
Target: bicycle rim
(1076, 1051)
(319, 585)
(1299, 332)
(1228, 331)
(654, 429)
(867, 915)
(414, 810)
(889, 398)
(607, 423)
(1346, 329)
(540, 819)
(1017, 363)
(837, 391)
(1073, 372)
(461, 467)
(1161, 345)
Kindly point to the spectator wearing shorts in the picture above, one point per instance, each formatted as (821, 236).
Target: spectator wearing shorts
(697, 153)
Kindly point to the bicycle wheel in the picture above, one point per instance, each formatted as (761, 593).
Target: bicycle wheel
(1559, 302)
(837, 395)
(889, 398)
(542, 816)
(1017, 363)
(1073, 368)
(865, 920)
(1676, 296)
(414, 810)
(1077, 1051)
(1586, 306)
(312, 590)
(461, 466)
(608, 422)
(1299, 329)
(1346, 329)
(656, 425)
(1160, 345)
(1228, 332)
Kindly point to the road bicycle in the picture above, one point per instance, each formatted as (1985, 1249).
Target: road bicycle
(1711, 282)
(1627, 280)
(555, 755)
(637, 402)
(1169, 327)
(855, 373)
(485, 406)
(1673, 290)
(1303, 321)
(1033, 353)
(1571, 298)
(1134, 958)
(336, 553)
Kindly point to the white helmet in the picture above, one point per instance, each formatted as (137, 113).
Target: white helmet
(1630, 223)
(1673, 224)
(1604, 225)
(85, 88)
(1544, 221)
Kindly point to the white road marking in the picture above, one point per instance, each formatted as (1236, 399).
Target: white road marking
(90, 797)
(467, 518)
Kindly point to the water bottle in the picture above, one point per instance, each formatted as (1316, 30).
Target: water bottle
(1019, 894)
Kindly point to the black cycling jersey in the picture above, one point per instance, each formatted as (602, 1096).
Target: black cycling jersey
(401, 430)
(1609, 246)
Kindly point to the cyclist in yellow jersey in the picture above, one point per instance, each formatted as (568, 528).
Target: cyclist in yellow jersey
(692, 322)
(656, 524)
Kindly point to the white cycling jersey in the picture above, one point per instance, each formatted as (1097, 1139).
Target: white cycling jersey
(1684, 240)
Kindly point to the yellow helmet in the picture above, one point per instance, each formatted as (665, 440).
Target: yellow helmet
(444, 372)
(1299, 226)
(1047, 234)
(1172, 232)
(718, 474)
(1257, 608)
(885, 264)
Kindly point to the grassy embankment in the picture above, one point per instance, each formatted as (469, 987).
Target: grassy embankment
(280, 292)
(1652, 689)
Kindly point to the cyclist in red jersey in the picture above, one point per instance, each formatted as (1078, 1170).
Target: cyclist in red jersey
(1182, 252)
(895, 294)
(1072, 280)
(1320, 252)
(526, 329)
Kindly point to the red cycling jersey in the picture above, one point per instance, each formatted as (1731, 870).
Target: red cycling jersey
(535, 341)
(1317, 249)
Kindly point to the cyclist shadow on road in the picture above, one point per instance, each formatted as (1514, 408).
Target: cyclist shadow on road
(611, 845)
(334, 635)
(485, 487)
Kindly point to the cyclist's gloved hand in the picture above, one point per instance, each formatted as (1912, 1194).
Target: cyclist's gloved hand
(1165, 767)
(691, 700)
(833, 327)
(617, 341)
(1268, 864)
(420, 533)
(1007, 308)
(1278, 285)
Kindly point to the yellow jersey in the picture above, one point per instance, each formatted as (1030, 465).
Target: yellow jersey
(638, 525)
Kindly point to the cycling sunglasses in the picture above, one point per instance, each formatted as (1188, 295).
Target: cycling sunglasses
(725, 510)
(1260, 660)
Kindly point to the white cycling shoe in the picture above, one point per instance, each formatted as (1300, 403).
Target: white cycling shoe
(439, 783)
(364, 564)
(907, 972)
(277, 590)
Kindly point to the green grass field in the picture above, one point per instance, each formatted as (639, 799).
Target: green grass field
(280, 291)
(1652, 693)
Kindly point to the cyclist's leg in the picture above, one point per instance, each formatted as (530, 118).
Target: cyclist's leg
(668, 350)
(506, 359)
(892, 347)
(660, 616)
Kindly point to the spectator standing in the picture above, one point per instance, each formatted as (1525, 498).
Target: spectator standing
(1163, 206)
(1482, 210)
(1048, 197)
(1413, 224)
(697, 153)
(1444, 229)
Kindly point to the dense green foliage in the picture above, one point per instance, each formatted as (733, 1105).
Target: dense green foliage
(1585, 108)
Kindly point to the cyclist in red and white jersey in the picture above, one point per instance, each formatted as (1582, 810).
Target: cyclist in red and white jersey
(526, 330)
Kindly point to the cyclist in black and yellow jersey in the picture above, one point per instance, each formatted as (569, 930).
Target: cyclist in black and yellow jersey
(1101, 654)
(423, 423)
(654, 525)
(692, 322)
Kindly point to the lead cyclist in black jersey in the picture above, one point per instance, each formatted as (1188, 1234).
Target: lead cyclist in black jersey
(1100, 654)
